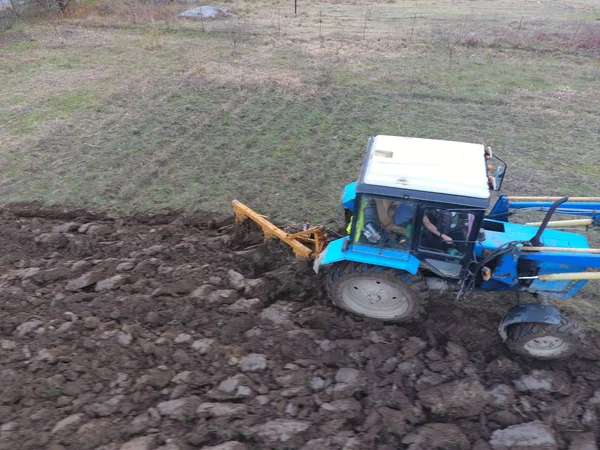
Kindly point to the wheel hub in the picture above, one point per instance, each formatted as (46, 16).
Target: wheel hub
(375, 298)
(546, 346)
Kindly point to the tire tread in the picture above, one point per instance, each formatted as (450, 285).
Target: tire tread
(567, 329)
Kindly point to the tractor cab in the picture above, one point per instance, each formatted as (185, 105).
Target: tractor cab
(440, 236)
(418, 203)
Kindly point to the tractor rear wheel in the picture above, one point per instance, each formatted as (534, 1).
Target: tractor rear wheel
(376, 292)
(545, 341)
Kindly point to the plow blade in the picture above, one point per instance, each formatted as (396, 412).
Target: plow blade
(315, 237)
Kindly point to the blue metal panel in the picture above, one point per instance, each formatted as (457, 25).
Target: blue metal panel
(528, 313)
(588, 209)
(518, 232)
(500, 211)
(382, 257)
(349, 196)
(579, 261)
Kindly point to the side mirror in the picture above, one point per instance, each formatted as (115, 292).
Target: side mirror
(500, 171)
(495, 175)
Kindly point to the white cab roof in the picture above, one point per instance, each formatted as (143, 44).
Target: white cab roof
(428, 165)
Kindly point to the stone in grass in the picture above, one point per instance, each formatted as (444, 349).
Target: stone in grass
(205, 12)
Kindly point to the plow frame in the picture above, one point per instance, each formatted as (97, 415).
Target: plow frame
(314, 236)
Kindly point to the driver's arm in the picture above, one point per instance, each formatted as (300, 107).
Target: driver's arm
(433, 229)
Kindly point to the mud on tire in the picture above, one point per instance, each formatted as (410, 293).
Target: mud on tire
(545, 341)
(376, 292)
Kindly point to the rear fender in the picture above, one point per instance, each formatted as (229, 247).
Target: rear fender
(529, 312)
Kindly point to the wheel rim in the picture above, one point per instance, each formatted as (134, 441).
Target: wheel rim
(546, 346)
(375, 298)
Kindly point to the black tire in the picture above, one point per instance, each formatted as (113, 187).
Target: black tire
(545, 341)
(395, 296)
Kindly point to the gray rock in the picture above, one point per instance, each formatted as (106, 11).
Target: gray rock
(154, 250)
(205, 12)
(223, 297)
(236, 280)
(222, 410)
(203, 292)
(25, 274)
(181, 407)
(262, 400)
(81, 265)
(462, 398)
(52, 238)
(413, 347)
(245, 305)
(47, 356)
(543, 380)
(279, 313)
(502, 396)
(203, 346)
(125, 266)
(183, 338)
(5, 344)
(347, 408)
(584, 441)
(437, 436)
(106, 408)
(66, 227)
(141, 423)
(66, 422)
(232, 445)
(124, 339)
(281, 431)
(85, 280)
(532, 435)
(317, 383)
(231, 388)
(348, 381)
(181, 377)
(170, 446)
(91, 323)
(98, 230)
(27, 327)
(140, 443)
(254, 362)
(111, 283)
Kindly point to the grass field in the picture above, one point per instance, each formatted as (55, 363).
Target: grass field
(120, 105)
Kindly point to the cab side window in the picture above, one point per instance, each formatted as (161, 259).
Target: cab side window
(445, 231)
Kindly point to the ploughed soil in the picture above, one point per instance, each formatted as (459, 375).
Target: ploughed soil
(186, 331)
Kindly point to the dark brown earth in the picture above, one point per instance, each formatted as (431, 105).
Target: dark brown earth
(184, 331)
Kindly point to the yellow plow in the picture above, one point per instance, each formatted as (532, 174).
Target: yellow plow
(314, 236)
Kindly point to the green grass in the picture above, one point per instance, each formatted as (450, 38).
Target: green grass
(106, 113)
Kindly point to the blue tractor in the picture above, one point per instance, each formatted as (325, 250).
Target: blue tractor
(417, 222)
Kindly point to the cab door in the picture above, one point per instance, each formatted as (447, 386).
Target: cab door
(446, 238)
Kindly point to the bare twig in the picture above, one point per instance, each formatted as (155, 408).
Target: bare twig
(577, 29)
(320, 24)
(412, 30)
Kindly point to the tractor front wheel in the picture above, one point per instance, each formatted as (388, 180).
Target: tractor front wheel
(545, 341)
(376, 292)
